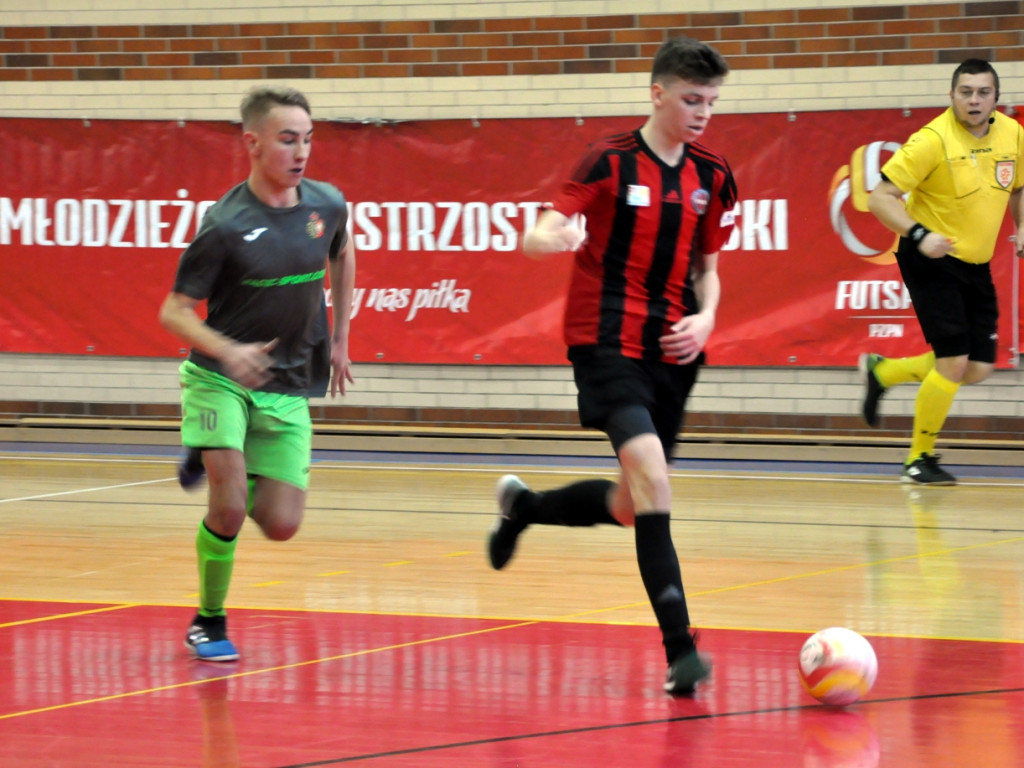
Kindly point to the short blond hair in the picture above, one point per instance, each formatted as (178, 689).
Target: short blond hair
(262, 98)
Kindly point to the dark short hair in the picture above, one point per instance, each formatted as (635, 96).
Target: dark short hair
(262, 98)
(975, 67)
(688, 59)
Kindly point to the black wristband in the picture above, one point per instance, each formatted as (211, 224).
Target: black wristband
(917, 233)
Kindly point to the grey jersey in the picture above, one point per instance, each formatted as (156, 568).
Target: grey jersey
(261, 271)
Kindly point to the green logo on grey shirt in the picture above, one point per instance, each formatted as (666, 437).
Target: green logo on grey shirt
(270, 282)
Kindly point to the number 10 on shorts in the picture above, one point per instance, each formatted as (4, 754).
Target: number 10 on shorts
(208, 421)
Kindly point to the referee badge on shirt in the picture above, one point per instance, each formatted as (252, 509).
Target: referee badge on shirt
(1004, 173)
(638, 195)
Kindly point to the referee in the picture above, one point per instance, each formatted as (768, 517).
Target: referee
(959, 172)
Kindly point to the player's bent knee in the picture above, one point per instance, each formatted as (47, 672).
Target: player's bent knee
(976, 374)
(225, 520)
(625, 517)
(279, 530)
(276, 523)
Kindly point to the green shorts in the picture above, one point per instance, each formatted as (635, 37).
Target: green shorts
(274, 432)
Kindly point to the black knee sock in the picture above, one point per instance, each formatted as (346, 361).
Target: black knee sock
(659, 569)
(581, 504)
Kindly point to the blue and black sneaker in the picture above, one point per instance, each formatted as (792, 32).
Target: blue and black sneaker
(207, 639)
(191, 470)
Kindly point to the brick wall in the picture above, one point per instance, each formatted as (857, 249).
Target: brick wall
(892, 35)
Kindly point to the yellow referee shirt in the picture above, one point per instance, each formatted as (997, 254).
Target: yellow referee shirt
(959, 184)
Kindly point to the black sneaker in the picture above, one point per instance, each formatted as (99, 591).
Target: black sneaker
(925, 470)
(873, 389)
(207, 639)
(686, 672)
(501, 543)
(191, 470)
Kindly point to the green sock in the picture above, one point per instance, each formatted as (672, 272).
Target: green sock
(216, 559)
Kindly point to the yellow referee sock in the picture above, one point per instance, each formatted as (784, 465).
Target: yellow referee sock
(891, 371)
(934, 399)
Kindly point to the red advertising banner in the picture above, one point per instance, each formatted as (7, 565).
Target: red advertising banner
(94, 215)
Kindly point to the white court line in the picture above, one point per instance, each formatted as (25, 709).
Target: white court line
(677, 473)
(87, 490)
(779, 475)
(98, 459)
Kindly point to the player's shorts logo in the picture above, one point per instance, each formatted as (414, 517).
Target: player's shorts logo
(1005, 173)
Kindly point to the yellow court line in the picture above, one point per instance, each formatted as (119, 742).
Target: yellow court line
(886, 561)
(72, 615)
(798, 576)
(296, 665)
(567, 618)
(488, 630)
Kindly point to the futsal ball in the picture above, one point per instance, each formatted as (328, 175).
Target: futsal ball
(837, 666)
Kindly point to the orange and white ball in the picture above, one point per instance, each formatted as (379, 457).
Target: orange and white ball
(837, 666)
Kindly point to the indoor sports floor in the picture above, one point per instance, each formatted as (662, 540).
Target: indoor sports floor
(380, 637)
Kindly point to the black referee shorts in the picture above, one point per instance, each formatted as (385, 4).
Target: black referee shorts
(955, 303)
(624, 397)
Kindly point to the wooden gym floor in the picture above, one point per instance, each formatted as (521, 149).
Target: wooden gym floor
(380, 637)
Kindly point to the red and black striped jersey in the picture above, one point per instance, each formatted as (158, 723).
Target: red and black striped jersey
(630, 281)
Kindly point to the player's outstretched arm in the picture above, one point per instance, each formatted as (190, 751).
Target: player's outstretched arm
(554, 232)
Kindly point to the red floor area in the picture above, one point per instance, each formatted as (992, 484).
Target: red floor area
(116, 688)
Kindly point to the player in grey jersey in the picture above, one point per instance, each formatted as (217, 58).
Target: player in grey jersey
(259, 262)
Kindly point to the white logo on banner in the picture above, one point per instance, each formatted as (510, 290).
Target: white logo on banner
(97, 223)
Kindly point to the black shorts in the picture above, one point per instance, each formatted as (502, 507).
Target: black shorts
(624, 397)
(955, 303)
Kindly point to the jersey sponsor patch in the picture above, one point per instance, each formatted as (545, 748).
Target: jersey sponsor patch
(1005, 173)
(699, 200)
(315, 226)
(250, 236)
(638, 195)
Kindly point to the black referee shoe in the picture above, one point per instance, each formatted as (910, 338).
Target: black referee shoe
(873, 389)
(925, 470)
